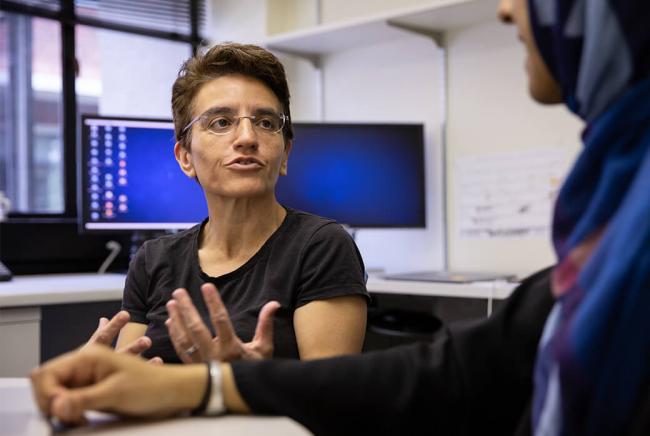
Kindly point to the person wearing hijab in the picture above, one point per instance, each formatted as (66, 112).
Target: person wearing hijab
(567, 354)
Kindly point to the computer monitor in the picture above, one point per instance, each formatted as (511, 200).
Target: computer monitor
(362, 175)
(130, 179)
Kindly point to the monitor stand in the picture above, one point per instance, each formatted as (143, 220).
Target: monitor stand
(5, 274)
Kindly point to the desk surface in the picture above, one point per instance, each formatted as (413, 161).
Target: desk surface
(38, 290)
(47, 289)
(19, 416)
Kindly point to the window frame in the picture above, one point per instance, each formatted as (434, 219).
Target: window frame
(68, 20)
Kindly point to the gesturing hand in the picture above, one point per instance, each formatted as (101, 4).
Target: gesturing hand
(194, 342)
(107, 330)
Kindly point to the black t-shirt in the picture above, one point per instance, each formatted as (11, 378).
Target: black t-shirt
(307, 258)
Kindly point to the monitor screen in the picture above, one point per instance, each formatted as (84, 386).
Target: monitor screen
(362, 175)
(130, 179)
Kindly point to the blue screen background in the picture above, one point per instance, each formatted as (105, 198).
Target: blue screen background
(158, 189)
(360, 175)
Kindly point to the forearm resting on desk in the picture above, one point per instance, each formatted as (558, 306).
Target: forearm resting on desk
(95, 378)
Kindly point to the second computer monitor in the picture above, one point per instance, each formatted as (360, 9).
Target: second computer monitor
(362, 175)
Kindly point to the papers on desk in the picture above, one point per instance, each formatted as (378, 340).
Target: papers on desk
(508, 194)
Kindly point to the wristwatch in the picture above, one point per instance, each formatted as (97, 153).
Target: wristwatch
(215, 405)
(212, 403)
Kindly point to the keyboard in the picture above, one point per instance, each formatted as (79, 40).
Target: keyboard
(449, 276)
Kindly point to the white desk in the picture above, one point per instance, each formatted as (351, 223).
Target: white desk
(39, 290)
(22, 298)
(19, 416)
(20, 311)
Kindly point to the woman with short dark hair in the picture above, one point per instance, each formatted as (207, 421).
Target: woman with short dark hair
(291, 284)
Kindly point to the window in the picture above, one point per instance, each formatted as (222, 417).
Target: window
(62, 58)
(31, 114)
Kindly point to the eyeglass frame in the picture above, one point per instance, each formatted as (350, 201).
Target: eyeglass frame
(283, 117)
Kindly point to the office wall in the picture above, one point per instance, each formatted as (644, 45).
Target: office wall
(394, 82)
(491, 112)
(236, 20)
(290, 15)
(137, 82)
(339, 10)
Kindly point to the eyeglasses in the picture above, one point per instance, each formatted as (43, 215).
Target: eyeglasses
(223, 123)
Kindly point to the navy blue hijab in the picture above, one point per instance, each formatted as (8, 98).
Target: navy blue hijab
(594, 358)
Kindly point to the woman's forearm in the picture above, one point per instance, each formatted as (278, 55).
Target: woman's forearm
(130, 333)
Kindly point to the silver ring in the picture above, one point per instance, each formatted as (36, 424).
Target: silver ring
(191, 350)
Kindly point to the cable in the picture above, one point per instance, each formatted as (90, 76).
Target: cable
(115, 248)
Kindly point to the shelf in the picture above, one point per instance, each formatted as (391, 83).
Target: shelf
(435, 18)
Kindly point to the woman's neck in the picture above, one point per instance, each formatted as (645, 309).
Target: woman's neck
(239, 227)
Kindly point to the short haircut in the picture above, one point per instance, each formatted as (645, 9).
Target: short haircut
(222, 60)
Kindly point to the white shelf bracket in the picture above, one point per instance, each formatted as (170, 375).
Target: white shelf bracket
(313, 59)
(437, 37)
